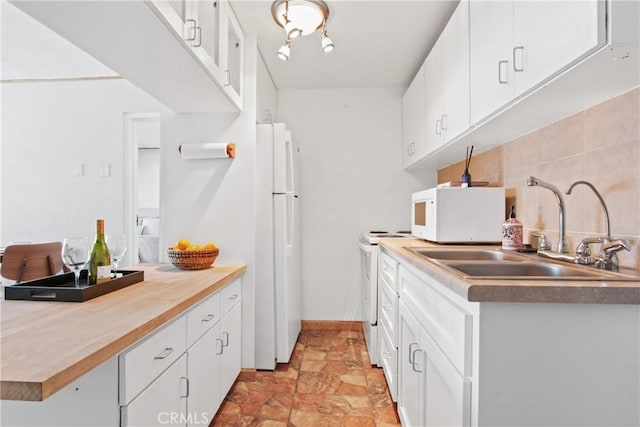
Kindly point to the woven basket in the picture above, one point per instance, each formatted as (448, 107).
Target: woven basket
(192, 260)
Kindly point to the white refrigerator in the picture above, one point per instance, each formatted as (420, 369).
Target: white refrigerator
(278, 299)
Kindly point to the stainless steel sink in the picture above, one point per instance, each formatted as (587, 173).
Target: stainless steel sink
(533, 271)
(465, 254)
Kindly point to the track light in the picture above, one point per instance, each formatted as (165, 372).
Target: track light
(327, 43)
(283, 52)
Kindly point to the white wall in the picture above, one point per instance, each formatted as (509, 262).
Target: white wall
(352, 181)
(213, 199)
(50, 130)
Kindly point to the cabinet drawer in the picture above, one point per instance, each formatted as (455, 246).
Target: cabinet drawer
(230, 295)
(143, 362)
(389, 358)
(389, 270)
(447, 323)
(202, 317)
(389, 312)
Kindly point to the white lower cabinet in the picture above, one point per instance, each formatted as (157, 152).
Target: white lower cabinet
(463, 363)
(230, 357)
(431, 389)
(204, 375)
(180, 374)
(164, 401)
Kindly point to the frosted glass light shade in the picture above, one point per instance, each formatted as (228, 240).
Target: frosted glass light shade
(304, 15)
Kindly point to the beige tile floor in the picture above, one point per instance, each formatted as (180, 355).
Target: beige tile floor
(328, 382)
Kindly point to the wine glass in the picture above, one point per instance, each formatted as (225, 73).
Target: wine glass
(117, 244)
(75, 255)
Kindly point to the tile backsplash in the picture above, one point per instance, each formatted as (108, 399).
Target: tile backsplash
(600, 145)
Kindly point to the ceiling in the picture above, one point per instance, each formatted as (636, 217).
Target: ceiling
(379, 43)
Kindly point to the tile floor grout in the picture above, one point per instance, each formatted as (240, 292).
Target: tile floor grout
(328, 382)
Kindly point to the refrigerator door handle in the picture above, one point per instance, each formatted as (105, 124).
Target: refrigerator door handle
(291, 183)
(290, 222)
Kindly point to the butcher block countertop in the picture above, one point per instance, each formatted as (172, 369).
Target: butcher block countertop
(514, 290)
(46, 345)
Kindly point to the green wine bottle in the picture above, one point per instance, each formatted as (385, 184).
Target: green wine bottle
(100, 260)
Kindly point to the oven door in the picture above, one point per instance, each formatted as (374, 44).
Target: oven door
(369, 282)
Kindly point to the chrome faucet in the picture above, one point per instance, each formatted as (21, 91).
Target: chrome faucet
(563, 247)
(604, 206)
(607, 260)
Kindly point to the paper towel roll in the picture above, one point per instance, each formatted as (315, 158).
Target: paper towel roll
(210, 150)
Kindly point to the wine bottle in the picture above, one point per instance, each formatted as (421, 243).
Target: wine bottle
(100, 260)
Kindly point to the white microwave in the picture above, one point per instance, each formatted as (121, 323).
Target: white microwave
(458, 215)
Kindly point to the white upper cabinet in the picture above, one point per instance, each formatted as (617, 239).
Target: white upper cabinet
(491, 42)
(447, 80)
(517, 45)
(232, 48)
(213, 34)
(203, 34)
(455, 74)
(414, 122)
(547, 39)
(434, 89)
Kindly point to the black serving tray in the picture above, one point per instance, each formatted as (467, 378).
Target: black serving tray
(62, 287)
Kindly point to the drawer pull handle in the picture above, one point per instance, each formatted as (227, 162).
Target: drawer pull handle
(187, 383)
(387, 355)
(225, 334)
(413, 364)
(388, 269)
(208, 318)
(221, 346)
(232, 297)
(167, 351)
(411, 352)
(387, 307)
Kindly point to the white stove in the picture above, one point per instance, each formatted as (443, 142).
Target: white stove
(373, 237)
(369, 254)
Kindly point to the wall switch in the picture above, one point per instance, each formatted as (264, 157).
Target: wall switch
(79, 170)
(106, 169)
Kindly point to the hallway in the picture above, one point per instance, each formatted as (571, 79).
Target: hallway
(328, 382)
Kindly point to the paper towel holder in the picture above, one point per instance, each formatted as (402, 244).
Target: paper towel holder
(209, 150)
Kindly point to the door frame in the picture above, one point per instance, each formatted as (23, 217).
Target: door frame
(130, 191)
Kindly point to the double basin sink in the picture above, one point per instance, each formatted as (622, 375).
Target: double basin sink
(499, 265)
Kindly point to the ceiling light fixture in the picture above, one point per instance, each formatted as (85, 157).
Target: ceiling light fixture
(301, 18)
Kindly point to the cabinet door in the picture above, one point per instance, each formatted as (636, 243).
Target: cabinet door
(177, 14)
(447, 393)
(230, 359)
(232, 48)
(204, 374)
(163, 402)
(414, 125)
(455, 119)
(411, 401)
(551, 36)
(434, 89)
(491, 44)
(206, 23)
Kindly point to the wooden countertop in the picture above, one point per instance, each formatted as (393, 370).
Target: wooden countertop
(46, 345)
(541, 291)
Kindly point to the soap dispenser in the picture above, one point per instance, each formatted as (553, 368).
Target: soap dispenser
(512, 232)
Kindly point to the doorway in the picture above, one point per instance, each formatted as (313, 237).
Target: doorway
(142, 186)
